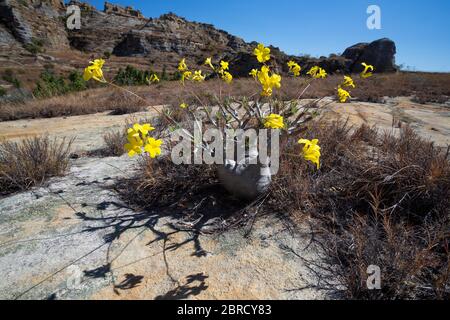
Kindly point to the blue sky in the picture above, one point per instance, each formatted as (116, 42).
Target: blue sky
(421, 29)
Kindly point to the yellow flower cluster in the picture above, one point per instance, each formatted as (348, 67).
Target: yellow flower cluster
(294, 68)
(188, 75)
(222, 70)
(317, 72)
(262, 53)
(342, 94)
(94, 71)
(137, 137)
(274, 121)
(311, 151)
(268, 80)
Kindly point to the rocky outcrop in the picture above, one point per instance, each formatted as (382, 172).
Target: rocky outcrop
(125, 11)
(163, 41)
(35, 21)
(380, 54)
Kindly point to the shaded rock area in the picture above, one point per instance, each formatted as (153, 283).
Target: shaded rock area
(75, 239)
(380, 54)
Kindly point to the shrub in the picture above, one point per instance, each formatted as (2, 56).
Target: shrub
(35, 46)
(114, 142)
(379, 199)
(31, 162)
(130, 76)
(76, 82)
(52, 85)
(2, 92)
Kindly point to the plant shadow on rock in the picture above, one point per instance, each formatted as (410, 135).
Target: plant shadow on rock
(191, 199)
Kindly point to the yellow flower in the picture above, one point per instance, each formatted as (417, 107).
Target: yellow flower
(262, 53)
(366, 73)
(294, 68)
(274, 121)
(227, 77)
(153, 147)
(183, 105)
(208, 62)
(224, 65)
(133, 149)
(153, 78)
(94, 71)
(317, 72)
(186, 75)
(311, 151)
(348, 82)
(268, 82)
(343, 95)
(198, 76)
(254, 73)
(182, 65)
(136, 136)
(144, 129)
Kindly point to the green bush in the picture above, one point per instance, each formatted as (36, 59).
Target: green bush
(52, 85)
(130, 76)
(2, 92)
(76, 81)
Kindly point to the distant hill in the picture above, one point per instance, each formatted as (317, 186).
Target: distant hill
(33, 32)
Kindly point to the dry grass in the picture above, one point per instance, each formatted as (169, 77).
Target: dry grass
(114, 142)
(424, 87)
(31, 162)
(377, 200)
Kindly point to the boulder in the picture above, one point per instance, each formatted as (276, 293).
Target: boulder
(380, 54)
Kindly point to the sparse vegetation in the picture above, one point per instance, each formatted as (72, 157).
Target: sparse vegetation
(52, 85)
(130, 76)
(114, 142)
(9, 77)
(31, 162)
(35, 46)
(379, 199)
(425, 87)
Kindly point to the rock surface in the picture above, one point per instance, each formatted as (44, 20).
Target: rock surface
(35, 20)
(380, 54)
(76, 240)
